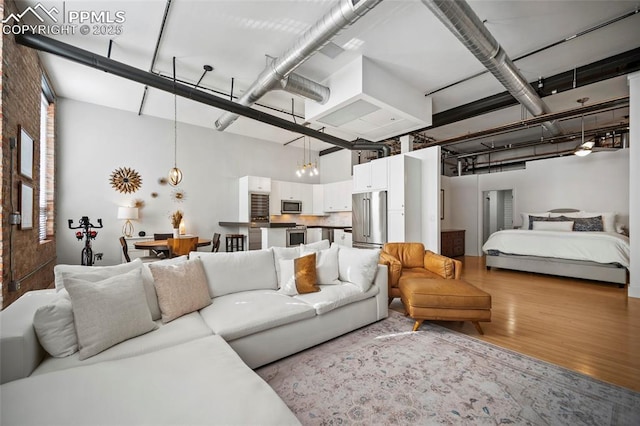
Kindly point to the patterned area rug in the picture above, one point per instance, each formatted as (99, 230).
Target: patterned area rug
(385, 374)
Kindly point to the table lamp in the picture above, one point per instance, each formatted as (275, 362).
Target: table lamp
(127, 214)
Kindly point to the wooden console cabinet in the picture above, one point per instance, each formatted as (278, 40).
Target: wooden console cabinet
(452, 242)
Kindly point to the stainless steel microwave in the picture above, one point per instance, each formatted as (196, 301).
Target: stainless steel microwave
(291, 207)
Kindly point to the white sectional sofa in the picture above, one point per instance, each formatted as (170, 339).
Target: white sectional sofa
(195, 369)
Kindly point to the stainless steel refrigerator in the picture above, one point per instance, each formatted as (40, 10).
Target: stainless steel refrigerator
(369, 219)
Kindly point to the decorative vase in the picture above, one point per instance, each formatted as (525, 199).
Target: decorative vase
(176, 233)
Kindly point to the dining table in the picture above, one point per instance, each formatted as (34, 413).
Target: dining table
(159, 245)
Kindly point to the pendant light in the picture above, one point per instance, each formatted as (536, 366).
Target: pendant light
(585, 148)
(311, 167)
(175, 174)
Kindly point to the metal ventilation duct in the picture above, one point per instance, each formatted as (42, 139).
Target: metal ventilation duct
(340, 16)
(462, 21)
(299, 85)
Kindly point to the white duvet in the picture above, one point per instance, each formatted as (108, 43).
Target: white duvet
(601, 247)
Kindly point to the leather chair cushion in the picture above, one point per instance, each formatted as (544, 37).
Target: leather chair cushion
(441, 265)
(409, 254)
(420, 293)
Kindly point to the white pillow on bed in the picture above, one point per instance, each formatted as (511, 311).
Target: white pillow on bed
(553, 226)
(608, 219)
(525, 218)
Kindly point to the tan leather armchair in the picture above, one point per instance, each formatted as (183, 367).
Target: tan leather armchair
(411, 260)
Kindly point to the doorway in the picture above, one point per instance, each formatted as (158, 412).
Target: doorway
(497, 211)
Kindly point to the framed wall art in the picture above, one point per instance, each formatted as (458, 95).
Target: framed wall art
(25, 154)
(26, 205)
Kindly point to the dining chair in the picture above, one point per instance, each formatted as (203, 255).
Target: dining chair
(125, 249)
(162, 253)
(182, 246)
(215, 242)
(125, 253)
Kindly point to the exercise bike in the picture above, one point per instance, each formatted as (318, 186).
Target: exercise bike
(88, 234)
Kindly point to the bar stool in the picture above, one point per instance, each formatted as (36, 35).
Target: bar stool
(234, 242)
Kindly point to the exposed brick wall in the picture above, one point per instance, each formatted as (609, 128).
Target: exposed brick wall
(21, 250)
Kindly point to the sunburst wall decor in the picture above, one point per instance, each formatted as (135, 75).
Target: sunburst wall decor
(125, 180)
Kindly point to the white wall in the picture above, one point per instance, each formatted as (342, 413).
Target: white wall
(431, 172)
(634, 186)
(598, 182)
(93, 141)
(336, 167)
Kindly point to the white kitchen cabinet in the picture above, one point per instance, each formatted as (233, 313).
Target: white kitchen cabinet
(337, 196)
(314, 235)
(247, 185)
(404, 203)
(317, 191)
(371, 176)
(283, 190)
(274, 197)
(342, 238)
(258, 184)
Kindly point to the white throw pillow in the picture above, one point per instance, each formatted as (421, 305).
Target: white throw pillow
(109, 312)
(326, 264)
(280, 253)
(525, 218)
(91, 273)
(318, 245)
(55, 328)
(149, 287)
(553, 226)
(358, 266)
(238, 271)
(287, 281)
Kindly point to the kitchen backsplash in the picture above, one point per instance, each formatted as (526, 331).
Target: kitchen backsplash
(331, 219)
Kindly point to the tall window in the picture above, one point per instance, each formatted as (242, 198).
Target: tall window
(46, 216)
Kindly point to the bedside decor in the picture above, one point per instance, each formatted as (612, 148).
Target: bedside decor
(127, 214)
(125, 180)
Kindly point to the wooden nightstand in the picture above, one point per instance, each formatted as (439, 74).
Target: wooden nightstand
(452, 242)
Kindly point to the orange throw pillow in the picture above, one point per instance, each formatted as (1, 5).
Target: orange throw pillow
(304, 269)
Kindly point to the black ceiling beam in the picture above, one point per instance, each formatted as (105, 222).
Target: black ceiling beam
(614, 66)
(90, 59)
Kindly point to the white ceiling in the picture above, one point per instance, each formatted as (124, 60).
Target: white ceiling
(401, 36)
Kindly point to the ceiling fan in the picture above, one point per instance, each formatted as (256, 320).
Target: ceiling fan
(611, 141)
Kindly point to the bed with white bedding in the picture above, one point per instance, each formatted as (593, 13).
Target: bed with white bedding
(551, 245)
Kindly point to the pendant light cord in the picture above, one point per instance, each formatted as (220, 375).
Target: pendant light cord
(175, 117)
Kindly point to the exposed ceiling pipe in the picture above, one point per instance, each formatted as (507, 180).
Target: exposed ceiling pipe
(299, 85)
(90, 59)
(463, 22)
(340, 16)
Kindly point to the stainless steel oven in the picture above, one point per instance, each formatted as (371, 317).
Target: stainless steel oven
(296, 236)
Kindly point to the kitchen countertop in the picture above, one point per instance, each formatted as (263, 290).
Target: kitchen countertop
(258, 224)
(329, 227)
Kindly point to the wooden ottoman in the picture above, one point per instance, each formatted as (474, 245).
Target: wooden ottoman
(445, 300)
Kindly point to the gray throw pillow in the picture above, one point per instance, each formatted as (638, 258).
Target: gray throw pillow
(109, 312)
(182, 288)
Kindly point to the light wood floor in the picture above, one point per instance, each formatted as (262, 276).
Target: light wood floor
(585, 326)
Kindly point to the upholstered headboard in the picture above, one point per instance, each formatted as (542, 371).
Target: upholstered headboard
(564, 211)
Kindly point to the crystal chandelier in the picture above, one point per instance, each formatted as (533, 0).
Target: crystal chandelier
(307, 167)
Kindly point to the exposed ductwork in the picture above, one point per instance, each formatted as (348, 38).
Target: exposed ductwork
(463, 22)
(90, 59)
(340, 16)
(299, 85)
